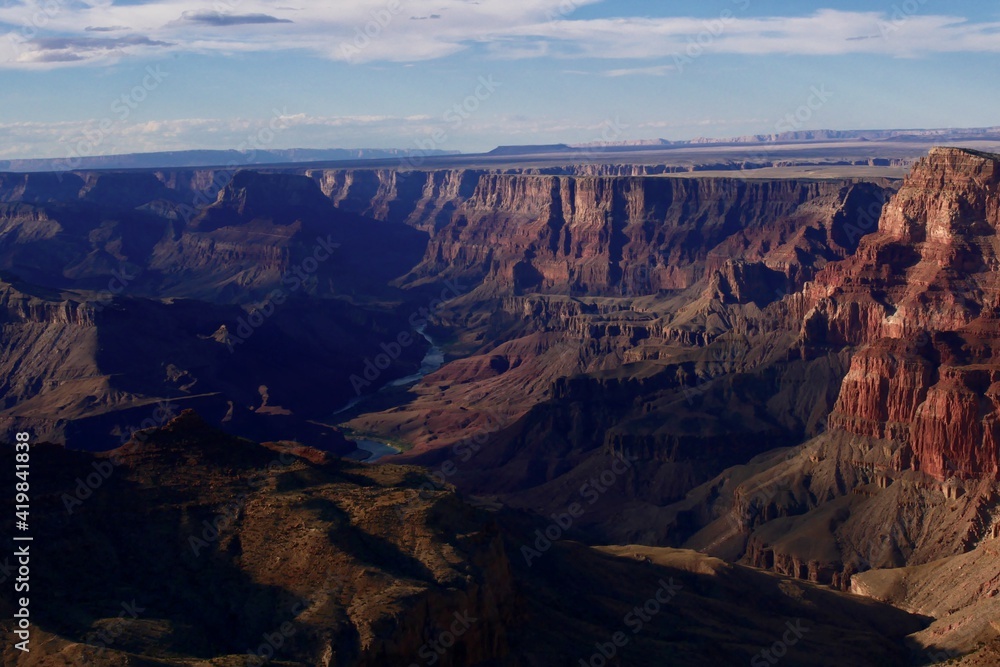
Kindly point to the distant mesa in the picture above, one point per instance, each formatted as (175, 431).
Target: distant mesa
(805, 136)
(530, 150)
(213, 158)
(810, 136)
(893, 141)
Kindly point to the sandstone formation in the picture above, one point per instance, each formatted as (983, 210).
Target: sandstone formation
(801, 374)
(883, 355)
(224, 552)
(109, 306)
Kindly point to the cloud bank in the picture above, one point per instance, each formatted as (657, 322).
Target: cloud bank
(50, 33)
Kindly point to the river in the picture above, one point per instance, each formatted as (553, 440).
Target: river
(377, 450)
(433, 360)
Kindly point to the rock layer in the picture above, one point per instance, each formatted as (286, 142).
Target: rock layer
(920, 297)
(224, 552)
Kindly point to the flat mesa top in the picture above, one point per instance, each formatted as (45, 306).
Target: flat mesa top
(835, 158)
(800, 172)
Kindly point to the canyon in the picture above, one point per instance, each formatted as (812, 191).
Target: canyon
(800, 371)
(247, 552)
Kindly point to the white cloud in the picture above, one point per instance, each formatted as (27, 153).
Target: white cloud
(351, 30)
(110, 136)
(288, 130)
(655, 70)
(412, 30)
(826, 32)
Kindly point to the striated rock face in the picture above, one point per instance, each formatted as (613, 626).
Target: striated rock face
(955, 430)
(111, 301)
(920, 297)
(610, 234)
(906, 473)
(84, 367)
(222, 551)
(17, 307)
(881, 393)
(692, 323)
(743, 282)
(569, 275)
(40, 188)
(282, 198)
(517, 233)
(213, 235)
(928, 266)
(419, 199)
(874, 338)
(634, 235)
(640, 315)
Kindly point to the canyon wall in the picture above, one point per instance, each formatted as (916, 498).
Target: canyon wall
(907, 471)
(819, 317)
(516, 233)
(920, 297)
(609, 235)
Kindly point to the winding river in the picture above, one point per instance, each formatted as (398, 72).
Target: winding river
(433, 360)
(376, 450)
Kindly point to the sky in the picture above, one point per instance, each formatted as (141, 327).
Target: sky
(101, 77)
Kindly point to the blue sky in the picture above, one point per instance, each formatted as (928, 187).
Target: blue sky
(84, 77)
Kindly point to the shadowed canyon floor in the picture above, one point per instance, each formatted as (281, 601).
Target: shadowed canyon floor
(775, 391)
(352, 565)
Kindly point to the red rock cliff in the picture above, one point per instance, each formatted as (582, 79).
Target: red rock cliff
(920, 296)
(607, 234)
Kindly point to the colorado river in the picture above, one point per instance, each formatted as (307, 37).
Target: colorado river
(378, 450)
(433, 360)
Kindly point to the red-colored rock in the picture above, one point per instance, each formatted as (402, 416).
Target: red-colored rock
(921, 295)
